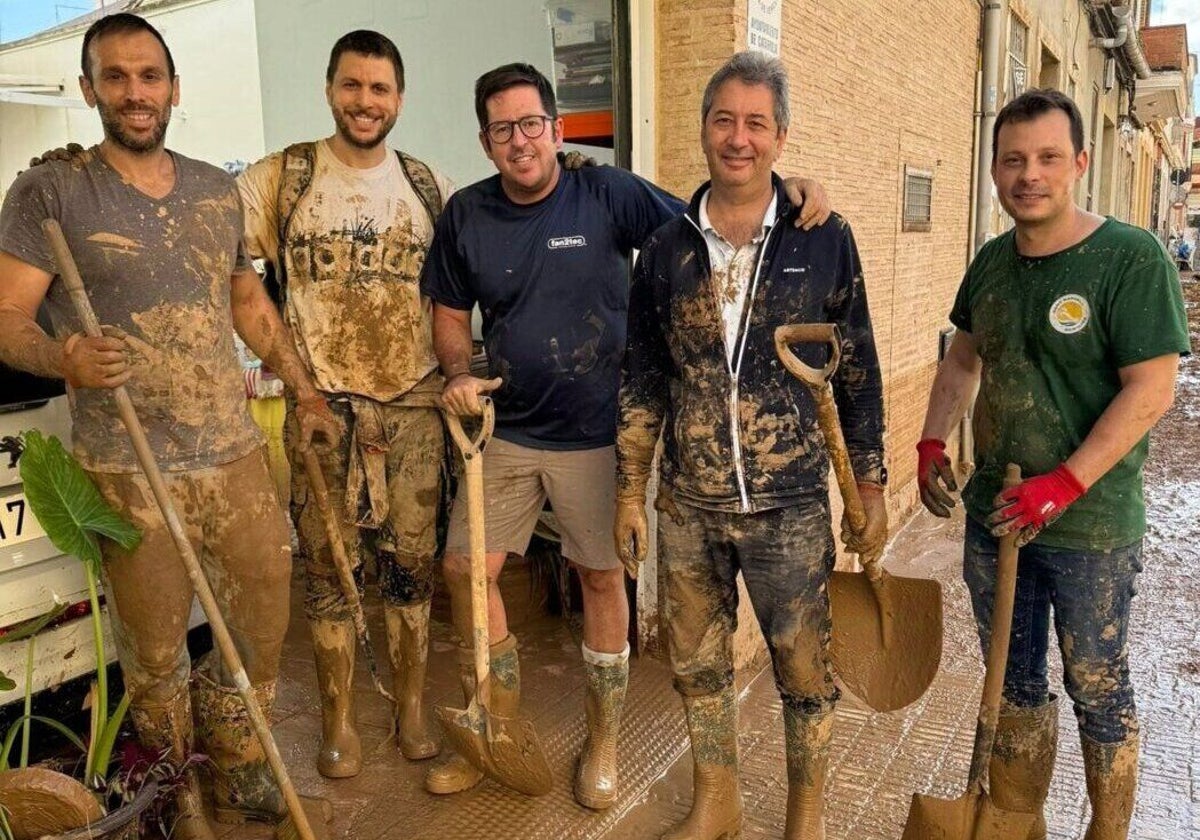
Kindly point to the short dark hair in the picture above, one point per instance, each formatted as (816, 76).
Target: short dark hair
(366, 42)
(510, 76)
(1032, 104)
(116, 24)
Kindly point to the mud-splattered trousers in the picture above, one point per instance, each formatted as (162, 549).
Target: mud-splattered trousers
(1090, 592)
(413, 454)
(236, 526)
(785, 556)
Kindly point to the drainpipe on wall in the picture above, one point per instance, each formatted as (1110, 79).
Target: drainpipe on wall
(1132, 47)
(990, 35)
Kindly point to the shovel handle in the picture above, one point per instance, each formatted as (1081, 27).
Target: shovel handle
(472, 452)
(341, 562)
(817, 380)
(790, 334)
(997, 655)
(141, 447)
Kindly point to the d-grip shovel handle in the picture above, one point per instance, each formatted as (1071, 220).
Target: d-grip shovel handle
(817, 380)
(472, 453)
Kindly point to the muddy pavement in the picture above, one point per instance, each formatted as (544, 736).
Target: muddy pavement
(879, 760)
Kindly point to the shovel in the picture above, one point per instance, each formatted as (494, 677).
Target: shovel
(973, 816)
(316, 482)
(300, 825)
(506, 749)
(887, 631)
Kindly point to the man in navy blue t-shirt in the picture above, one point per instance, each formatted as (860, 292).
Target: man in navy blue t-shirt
(544, 253)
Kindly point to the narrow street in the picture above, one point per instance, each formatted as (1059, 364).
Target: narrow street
(880, 759)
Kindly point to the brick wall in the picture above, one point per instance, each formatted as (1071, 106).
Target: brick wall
(868, 97)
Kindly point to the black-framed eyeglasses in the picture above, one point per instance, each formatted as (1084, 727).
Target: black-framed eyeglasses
(533, 127)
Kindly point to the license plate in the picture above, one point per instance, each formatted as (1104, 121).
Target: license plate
(17, 522)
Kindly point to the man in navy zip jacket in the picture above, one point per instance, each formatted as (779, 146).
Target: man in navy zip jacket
(544, 253)
(744, 468)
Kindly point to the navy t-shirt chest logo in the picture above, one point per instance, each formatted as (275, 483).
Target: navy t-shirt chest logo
(556, 242)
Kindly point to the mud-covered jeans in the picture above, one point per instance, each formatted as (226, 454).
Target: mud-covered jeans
(405, 545)
(232, 517)
(1090, 592)
(785, 556)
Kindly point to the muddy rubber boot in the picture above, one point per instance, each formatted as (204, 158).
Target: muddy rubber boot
(607, 679)
(167, 728)
(807, 739)
(1023, 761)
(1112, 771)
(243, 786)
(408, 649)
(456, 773)
(340, 753)
(716, 800)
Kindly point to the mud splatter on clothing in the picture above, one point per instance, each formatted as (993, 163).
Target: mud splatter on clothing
(233, 519)
(159, 270)
(1090, 593)
(740, 433)
(405, 544)
(1053, 333)
(356, 245)
(785, 556)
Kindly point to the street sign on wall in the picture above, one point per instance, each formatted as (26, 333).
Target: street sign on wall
(764, 23)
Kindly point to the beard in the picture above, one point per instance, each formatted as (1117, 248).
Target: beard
(343, 118)
(110, 118)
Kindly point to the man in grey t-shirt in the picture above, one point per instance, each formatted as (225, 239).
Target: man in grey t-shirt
(157, 237)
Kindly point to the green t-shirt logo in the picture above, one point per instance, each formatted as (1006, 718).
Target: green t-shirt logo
(1070, 314)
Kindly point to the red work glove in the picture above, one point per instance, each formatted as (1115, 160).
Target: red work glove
(934, 470)
(1034, 503)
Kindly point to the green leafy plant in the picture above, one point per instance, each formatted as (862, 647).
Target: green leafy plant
(74, 515)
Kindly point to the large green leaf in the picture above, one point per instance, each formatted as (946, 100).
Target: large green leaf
(66, 502)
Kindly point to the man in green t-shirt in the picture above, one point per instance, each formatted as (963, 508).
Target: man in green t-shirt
(1071, 326)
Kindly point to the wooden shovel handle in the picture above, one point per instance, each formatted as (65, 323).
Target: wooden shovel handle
(828, 334)
(997, 656)
(472, 452)
(817, 380)
(141, 447)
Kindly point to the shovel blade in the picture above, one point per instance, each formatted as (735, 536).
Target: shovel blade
(505, 749)
(885, 676)
(970, 817)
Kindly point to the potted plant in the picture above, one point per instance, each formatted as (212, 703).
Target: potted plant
(109, 799)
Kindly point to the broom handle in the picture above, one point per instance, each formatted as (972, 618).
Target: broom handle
(341, 562)
(997, 657)
(137, 435)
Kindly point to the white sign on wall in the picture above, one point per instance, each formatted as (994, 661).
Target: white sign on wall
(763, 26)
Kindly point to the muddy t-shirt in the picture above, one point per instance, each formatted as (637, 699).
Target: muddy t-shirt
(552, 283)
(356, 244)
(159, 269)
(1053, 333)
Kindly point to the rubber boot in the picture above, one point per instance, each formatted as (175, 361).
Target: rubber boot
(1023, 761)
(607, 679)
(243, 785)
(166, 728)
(340, 753)
(408, 649)
(456, 773)
(1112, 771)
(807, 738)
(716, 800)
